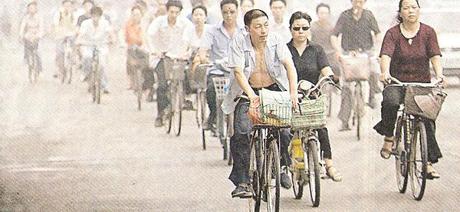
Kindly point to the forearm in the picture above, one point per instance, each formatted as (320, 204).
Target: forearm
(437, 67)
(335, 43)
(243, 83)
(385, 64)
(292, 77)
(326, 71)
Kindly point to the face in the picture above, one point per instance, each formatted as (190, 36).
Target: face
(173, 12)
(358, 4)
(323, 13)
(246, 6)
(161, 9)
(96, 18)
(32, 9)
(199, 16)
(258, 28)
(67, 6)
(137, 14)
(410, 11)
(300, 29)
(278, 8)
(87, 7)
(229, 13)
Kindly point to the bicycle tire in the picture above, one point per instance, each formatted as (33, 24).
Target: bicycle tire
(256, 167)
(138, 82)
(273, 170)
(98, 86)
(314, 173)
(420, 130)
(198, 109)
(401, 162)
(177, 107)
(297, 176)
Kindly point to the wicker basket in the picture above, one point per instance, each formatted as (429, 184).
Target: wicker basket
(198, 78)
(277, 115)
(221, 85)
(174, 70)
(424, 102)
(311, 114)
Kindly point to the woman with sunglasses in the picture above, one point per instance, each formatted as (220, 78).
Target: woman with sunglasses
(311, 62)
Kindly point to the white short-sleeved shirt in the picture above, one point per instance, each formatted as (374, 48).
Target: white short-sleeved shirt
(242, 55)
(191, 38)
(165, 38)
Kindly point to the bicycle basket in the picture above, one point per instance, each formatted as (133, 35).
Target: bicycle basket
(221, 85)
(174, 70)
(311, 114)
(198, 78)
(275, 108)
(424, 102)
(355, 68)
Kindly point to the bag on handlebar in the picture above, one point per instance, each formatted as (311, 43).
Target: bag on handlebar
(275, 108)
(174, 69)
(424, 102)
(355, 68)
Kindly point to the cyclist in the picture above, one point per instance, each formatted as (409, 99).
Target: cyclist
(259, 60)
(406, 53)
(279, 25)
(321, 31)
(161, 34)
(65, 30)
(217, 42)
(310, 62)
(134, 34)
(95, 32)
(30, 32)
(87, 6)
(359, 31)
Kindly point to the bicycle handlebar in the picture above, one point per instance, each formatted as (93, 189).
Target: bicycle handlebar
(417, 84)
(321, 83)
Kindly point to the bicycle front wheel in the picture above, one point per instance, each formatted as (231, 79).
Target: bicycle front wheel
(313, 172)
(138, 83)
(176, 102)
(401, 159)
(272, 178)
(418, 161)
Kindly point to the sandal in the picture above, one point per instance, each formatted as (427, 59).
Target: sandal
(386, 153)
(431, 172)
(332, 173)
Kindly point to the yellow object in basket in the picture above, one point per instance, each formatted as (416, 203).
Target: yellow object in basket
(296, 149)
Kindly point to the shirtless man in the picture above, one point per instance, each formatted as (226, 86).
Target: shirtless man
(260, 60)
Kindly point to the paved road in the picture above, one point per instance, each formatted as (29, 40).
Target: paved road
(60, 152)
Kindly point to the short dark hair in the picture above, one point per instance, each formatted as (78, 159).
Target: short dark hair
(224, 2)
(97, 11)
(253, 14)
(299, 15)
(200, 7)
(137, 7)
(87, 1)
(323, 5)
(284, 2)
(241, 1)
(174, 3)
(32, 3)
(400, 20)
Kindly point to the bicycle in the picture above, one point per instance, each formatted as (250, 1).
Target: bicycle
(32, 63)
(175, 76)
(199, 82)
(410, 146)
(307, 161)
(264, 166)
(138, 79)
(224, 122)
(356, 70)
(69, 62)
(95, 75)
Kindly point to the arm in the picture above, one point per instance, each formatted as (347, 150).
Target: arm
(327, 71)
(336, 45)
(22, 28)
(385, 61)
(243, 82)
(436, 62)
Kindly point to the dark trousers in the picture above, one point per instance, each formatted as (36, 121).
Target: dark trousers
(392, 98)
(211, 98)
(240, 144)
(29, 48)
(163, 88)
(323, 137)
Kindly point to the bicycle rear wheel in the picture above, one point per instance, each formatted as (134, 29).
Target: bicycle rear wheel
(138, 83)
(256, 168)
(272, 178)
(313, 172)
(401, 160)
(97, 86)
(418, 161)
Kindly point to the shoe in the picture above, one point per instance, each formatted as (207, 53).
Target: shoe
(285, 180)
(188, 105)
(55, 75)
(372, 104)
(149, 97)
(431, 172)
(345, 127)
(83, 78)
(106, 91)
(333, 174)
(158, 122)
(243, 190)
(385, 153)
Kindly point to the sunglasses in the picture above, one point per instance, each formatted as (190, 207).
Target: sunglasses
(298, 28)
